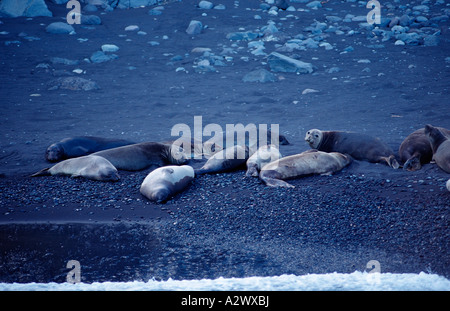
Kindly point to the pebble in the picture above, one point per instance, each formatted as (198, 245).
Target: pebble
(101, 57)
(73, 84)
(281, 63)
(110, 48)
(132, 28)
(206, 5)
(259, 75)
(314, 5)
(90, 20)
(60, 28)
(194, 28)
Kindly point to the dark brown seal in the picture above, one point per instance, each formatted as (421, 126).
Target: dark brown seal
(440, 144)
(358, 146)
(78, 146)
(416, 150)
(143, 155)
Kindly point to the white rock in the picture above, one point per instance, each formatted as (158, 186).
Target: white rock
(132, 28)
(110, 48)
(206, 5)
(307, 91)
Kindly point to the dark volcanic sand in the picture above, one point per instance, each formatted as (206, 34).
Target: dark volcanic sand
(222, 225)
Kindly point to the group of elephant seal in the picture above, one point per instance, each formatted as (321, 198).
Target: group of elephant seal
(416, 149)
(331, 152)
(131, 157)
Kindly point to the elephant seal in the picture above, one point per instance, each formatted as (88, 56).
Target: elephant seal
(416, 150)
(90, 167)
(140, 156)
(195, 148)
(226, 160)
(78, 146)
(359, 146)
(164, 182)
(440, 144)
(263, 156)
(305, 163)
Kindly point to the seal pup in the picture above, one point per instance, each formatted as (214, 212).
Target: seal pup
(440, 144)
(416, 150)
(78, 146)
(90, 167)
(302, 164)
(164, 182)
(359, 146)
(226, 160)
(263, 156)
(140, 156)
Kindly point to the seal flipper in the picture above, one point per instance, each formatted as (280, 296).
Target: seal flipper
(391, 161)
(272, 182)
(44, 172)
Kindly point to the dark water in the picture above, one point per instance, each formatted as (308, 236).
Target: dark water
(114, 252)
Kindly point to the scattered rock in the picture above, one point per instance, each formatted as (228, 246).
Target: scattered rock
(242, 36)
(90, 20)
(132, 28)
(29, 8)
(259, 75)
(65, 61)
(194, 28)
(60, 28)
(432, 40)
(101, 57)
(206, 5)
(73, 84)
(155, 12)
(308, 91)
(110, 48)
(314, 5)
(281, 63)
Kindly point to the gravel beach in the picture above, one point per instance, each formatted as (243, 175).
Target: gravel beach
(227, 224)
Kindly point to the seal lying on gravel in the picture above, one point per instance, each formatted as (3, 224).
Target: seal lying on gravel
(359, 146)
(226, 160)
(441, 147)
(261, 157)
(164, 182)
(305, 163)
(90, 167)
(195, 148)
(143, 155)
(78, 146)
(416, 150)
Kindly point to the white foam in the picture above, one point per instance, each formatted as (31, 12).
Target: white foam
(361, 281)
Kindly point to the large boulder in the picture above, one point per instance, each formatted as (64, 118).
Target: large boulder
(27, 8)
(281, 63)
